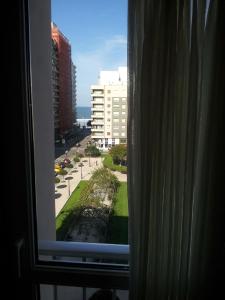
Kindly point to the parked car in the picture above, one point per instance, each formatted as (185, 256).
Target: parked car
(67, 161)
(62, 164)
(57, 169)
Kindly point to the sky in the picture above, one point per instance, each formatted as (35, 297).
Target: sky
(97, 31)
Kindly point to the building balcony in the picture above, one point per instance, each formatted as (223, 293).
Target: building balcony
(97, 108)
(97, 129)
(97, 100)
(97, 93)
(97, 122)
(97, 116)
(97, 136)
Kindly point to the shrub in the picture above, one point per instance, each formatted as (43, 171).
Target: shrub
(118, 153)
(57, 180)
(70, 166)
(63, 172)
(92, 151)
(76, 159)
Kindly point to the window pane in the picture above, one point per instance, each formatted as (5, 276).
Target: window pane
(80, 293)
(77, 206)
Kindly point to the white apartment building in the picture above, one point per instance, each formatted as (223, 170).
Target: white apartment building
(109, 109)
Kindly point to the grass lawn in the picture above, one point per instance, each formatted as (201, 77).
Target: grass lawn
(108, 163)
(118, 227)
(65, 216)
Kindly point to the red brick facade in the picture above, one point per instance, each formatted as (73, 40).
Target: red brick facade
(65, 81)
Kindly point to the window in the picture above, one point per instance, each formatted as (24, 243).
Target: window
(47, 193)
(108, 133)
(108, 105)
(211, 188)
(123, 106)
(123, 120)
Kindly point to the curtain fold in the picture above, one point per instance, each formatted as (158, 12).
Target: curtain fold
(176, 112)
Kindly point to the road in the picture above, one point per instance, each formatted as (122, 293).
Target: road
(60, 150)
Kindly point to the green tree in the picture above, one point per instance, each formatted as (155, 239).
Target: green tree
(102, 183)
(63, 173)
(92, 151)
(118, 153)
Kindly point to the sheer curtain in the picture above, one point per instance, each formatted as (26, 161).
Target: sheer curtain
(176, 150)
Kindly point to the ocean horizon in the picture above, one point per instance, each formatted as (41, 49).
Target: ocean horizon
(83, 112)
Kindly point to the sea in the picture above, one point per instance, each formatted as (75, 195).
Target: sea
(83, 112)
(83, 115)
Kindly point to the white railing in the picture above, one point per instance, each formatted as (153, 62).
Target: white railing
(88, 250)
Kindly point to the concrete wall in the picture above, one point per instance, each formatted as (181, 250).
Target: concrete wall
(40, 38)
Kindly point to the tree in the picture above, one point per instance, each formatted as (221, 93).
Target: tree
(63, 173)
(92, 151)
(118, 153)
(89, 123)
(102, 183)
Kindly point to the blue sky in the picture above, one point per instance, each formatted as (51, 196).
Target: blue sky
(97, 31)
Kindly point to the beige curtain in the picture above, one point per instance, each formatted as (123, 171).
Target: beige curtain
(176, 154)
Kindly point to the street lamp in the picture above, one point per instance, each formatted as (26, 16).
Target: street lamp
(68, 179)
(89, 153)
(80, 165)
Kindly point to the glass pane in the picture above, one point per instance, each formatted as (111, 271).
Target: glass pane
(80, 158)
(80, 293)
(90, 201)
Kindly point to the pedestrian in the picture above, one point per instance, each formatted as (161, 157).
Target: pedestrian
(96, 162)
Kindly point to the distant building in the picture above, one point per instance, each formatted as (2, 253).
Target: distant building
(109, 109)
(55, 86)
(62, 82)
(74, 92)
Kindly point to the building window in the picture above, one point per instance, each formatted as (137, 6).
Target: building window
(123, 120)
(108, 133)
(109, 92)
(123, 106)
(108, 105)
(108, 120)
